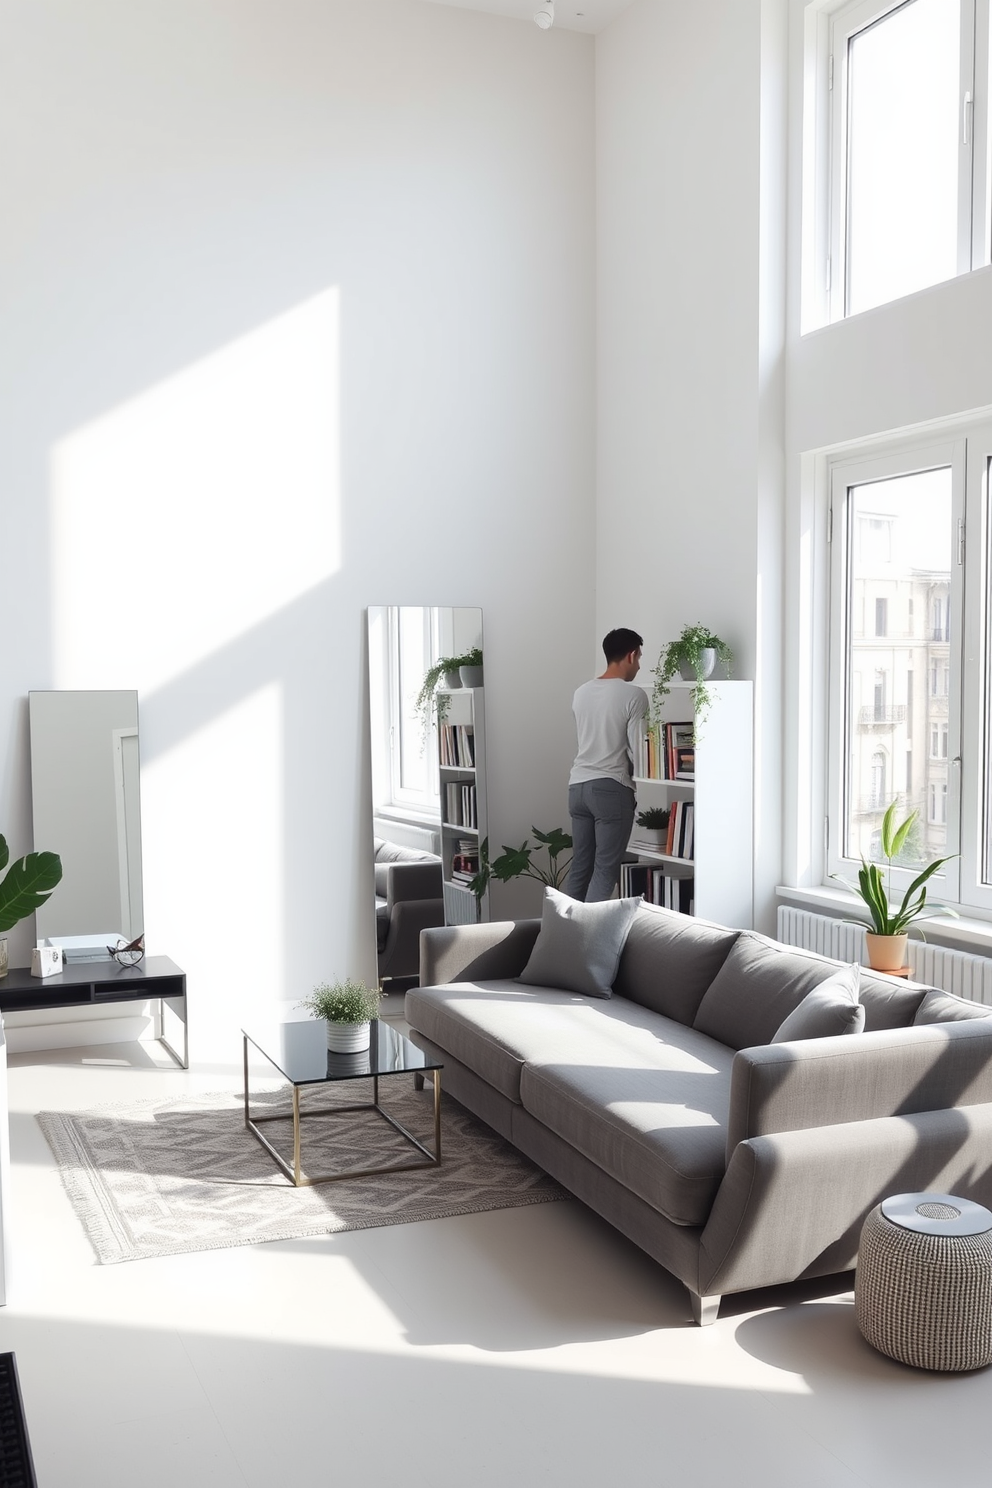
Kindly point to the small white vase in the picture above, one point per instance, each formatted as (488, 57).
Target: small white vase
(886, 952)
(348, 1038)
(471, 676)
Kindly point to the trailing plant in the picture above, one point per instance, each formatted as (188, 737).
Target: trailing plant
(429, 701)
(343, 1002)
(655, 818)
(518, 862)
(882, 918)
(688, 651)
(27, 884)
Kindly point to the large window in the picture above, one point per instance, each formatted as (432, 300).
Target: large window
(933, 501)
(903, 163)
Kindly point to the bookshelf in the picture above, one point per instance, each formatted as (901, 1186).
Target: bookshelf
(462, 771)
(714, 868)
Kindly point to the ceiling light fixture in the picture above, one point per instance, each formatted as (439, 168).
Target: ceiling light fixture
(545, 17)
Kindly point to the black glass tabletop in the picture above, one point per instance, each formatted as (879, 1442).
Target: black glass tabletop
(299, 1051)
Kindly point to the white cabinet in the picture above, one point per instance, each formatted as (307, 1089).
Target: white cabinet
(721, 801)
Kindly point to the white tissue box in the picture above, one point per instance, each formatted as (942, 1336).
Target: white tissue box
(46, 961)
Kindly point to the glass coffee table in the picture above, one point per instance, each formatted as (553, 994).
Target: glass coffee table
(299, 1052)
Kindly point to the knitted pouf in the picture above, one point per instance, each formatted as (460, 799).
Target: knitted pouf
(923, 1289)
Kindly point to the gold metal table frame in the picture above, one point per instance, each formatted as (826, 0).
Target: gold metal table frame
(294, 1172)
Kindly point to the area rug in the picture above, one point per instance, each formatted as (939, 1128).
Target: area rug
(165, 1177)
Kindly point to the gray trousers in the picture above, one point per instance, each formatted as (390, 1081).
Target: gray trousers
(602, 813)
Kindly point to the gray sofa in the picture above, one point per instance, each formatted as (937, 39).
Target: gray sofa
(733, 1161)
(409, 897)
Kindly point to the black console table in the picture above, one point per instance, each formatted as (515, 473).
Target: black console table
(90, 983)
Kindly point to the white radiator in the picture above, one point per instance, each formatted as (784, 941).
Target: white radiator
(955, 971)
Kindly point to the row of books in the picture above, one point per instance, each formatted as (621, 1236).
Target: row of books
(657, 887)
(667, 752)
(465, 860)
(680, 830)
(457, 744)
(460, 805)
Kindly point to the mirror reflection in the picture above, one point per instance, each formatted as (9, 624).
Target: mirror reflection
(427, 712)
(85, 797)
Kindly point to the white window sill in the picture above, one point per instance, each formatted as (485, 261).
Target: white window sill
(963, 934)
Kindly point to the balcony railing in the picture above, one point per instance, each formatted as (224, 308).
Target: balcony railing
(872, 805)
(876, 717)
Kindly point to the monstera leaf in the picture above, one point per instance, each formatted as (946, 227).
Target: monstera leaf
(27, 884)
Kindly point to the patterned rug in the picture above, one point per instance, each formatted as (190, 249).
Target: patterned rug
(164, 1177)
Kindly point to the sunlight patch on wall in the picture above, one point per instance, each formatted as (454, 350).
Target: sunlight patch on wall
(213, 830)
(198, 509)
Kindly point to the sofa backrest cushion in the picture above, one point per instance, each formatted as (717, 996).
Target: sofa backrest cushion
(669, 961)
(756, 989)
(831, 1008)
(944, 1007)
(579, 945)
(889, 1002)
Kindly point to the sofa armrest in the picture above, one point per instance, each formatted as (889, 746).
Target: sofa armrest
(413, 881)
(858, 1077)
(476, 952)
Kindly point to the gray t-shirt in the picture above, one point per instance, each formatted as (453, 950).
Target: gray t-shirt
(609, 717)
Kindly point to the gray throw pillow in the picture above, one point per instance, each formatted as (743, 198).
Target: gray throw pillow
(831, 1008)
(944, 1007)
(755, 990)
(578, 947)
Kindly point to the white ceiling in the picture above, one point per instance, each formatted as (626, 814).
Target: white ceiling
(570, 15)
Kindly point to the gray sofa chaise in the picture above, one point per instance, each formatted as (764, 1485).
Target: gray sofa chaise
(733, 1161)
(409, 897)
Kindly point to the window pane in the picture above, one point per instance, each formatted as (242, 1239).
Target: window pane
(903, 116)
(899, 565)
(414, 660)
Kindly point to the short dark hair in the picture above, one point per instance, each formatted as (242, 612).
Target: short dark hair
(620, 643)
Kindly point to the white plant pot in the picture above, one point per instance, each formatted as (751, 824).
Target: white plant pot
(707, 665)
(471, 676)
(452, 678)
(651, 836)
(348, 1038)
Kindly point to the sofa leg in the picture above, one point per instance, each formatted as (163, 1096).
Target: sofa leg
(704, 1309)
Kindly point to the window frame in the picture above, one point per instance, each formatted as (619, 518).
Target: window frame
(830, 26)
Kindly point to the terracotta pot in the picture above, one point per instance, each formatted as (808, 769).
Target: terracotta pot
(886, 952)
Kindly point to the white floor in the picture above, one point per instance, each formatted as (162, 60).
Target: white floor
(528, 1347)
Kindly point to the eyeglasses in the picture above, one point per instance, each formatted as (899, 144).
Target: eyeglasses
(128, 953)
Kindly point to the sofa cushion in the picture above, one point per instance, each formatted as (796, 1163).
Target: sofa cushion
(889, 1002)
(944, 1007)
(647, 1104)
(578, 947)
(756, 989)
(831, 1008)
(669, 960)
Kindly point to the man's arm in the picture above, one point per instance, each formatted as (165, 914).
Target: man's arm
(635, 727)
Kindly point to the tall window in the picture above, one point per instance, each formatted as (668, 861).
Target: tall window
(904, 185)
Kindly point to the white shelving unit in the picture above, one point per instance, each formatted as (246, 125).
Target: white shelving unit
(466, 708)
(722, 797)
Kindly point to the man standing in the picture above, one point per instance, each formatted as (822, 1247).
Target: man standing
(609, 716)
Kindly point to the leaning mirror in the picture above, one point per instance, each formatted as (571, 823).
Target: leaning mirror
(427, 715)
(85, 798)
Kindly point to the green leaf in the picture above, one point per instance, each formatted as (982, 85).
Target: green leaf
(555, 841)
(29, 882)
(513, 862)
(4, 852)
(887, 829)
(901, 833)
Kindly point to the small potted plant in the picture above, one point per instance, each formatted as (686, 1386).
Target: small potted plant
(24, 888)
(347, 1008)
(470, 668)
(694, 657)
(887, 929)
(453, 672)
(653, 822)
(517, 862)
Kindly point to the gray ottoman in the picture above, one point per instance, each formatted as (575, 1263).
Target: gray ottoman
(923, 1289)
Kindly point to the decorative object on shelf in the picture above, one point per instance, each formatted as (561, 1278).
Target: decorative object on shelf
(694, 657)
(348, 1008)
(653, 822)
(470, 668)
(517, 862)
(887, 928)
(46, 961)
(430, 700)
(27, 884)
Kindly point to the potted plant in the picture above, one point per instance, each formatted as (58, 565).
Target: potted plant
(887, 929)
(27, 884)
(347, 1008)
(694, 657)
(653, 822)
(518, 862)
(431, 698)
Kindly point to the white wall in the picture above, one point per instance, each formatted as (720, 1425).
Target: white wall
(691, 230)
(296, 317)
